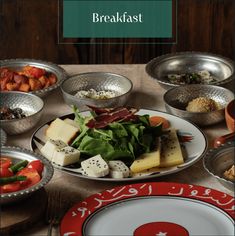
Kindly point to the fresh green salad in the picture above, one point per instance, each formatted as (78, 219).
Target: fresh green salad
(115, 134)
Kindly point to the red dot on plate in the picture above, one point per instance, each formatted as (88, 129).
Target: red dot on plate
(161, 229)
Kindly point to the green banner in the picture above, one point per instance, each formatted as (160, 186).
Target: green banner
(117, 19)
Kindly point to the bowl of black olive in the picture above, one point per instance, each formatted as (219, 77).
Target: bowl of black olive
(19, 111)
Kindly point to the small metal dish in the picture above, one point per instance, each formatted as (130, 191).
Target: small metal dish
(218, 160)
(176, 100)
(187, 62)
(31, 105)
(17, 154)
(99, 81)
(17, 64)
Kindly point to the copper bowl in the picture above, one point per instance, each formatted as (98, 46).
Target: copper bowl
(230, 116)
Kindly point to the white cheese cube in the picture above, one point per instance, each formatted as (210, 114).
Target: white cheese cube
(95, 166)
(50, 147)
(118, 166)
(66, 156)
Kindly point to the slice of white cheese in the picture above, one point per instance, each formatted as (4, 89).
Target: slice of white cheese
(147, 160)
(50, 147)
(66, 156)
(72, 122)
(95, 166)
(59, 129)
(171, 154)
(118, 169)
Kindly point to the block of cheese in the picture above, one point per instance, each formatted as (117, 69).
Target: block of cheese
(50, 147)
(61, 130)
(66, 156)
(150, 171)
(147, 160)
(171, 154)
(72, 122)
(95, 166)
(118, 169)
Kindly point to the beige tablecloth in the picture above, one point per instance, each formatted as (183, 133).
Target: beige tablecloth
(146, 94)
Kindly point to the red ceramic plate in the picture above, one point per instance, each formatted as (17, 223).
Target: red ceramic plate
(153, 209)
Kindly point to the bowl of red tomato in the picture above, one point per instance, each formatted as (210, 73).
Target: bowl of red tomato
(30, 75)
(22, 173)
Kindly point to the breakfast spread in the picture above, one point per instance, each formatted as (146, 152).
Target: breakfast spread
(114, 142)
(29, 78)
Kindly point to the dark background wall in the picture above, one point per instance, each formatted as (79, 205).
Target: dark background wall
(29, 29)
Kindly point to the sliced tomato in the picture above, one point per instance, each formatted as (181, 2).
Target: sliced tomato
(5, 162)
(32, 177)
(156, 120)
(9, 188)
(5, 172)
(37, 165)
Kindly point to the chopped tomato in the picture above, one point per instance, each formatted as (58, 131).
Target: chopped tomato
(156, 120)
(32, 177)
(9, 188)
(37, 165)
(6, 172)
(5, 162)
(33, 71)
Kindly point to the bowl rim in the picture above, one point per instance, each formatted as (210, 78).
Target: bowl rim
(44, 180)
(93, 99)
(27, 94)
(62, 72)
(196, 85)
(159, 59)
(213, 151)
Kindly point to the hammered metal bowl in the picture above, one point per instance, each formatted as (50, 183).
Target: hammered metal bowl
(176, 100)
(218, 160)
(17, 64)
(31, 105)
(18, 154)
(99, 81)
(187, 62)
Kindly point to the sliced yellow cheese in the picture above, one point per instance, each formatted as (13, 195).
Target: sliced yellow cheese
(147, 160)
(171, 154)
(60, 130)
(150, 171)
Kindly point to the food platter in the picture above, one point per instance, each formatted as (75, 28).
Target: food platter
(194, 144)
(154, 209)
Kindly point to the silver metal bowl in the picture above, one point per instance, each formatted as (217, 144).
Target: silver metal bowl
(185, 62)
(218, 160)
(31, 105)
(18, 154)
(3, 137)
(176, 100)
(99, 81)
(17, 64)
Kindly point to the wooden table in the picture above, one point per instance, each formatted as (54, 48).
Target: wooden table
(146, 94)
